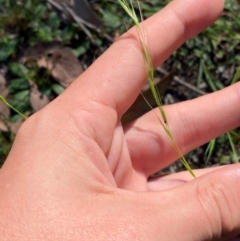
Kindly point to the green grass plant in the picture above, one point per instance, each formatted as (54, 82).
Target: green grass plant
(209, 151)
(236, 76)
(234, 152)
(217, 85)
(129, 9)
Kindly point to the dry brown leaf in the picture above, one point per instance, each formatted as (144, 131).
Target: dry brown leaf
(3, 126)
(37, 99)
(79, 8)
(59, 60)
(4, 109)
(2, 82)
(140, 106)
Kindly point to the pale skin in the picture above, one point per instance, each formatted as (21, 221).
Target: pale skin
(75, 173)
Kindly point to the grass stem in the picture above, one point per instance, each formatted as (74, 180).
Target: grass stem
(129, 9)
(10, 106)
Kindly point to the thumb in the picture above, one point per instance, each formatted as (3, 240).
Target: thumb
(207, 208)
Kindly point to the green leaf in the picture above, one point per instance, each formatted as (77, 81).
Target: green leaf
(8, 47)
(18, 69)
(81, 50)
(54, 21)
(39, 11)
(112, 20)
(22, 95)
(18, 84)
(58, 89)
(14, 118)
(28, 4)
(44, 32)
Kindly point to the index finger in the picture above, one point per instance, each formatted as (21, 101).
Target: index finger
(115, 79)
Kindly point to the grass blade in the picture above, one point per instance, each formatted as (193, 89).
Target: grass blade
(209, 150)
(14, 109)
(208, 77)
(129, 9)
(236, 76)
(234, 152)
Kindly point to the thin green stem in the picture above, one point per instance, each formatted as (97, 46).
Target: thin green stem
(129, 9)
(9, 105)
(209, 150)
(234, 152)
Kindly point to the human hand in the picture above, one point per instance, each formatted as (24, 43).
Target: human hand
(75, 173)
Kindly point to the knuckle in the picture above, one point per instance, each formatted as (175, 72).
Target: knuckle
(185, 25)
(216, 202)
